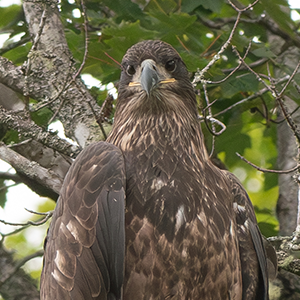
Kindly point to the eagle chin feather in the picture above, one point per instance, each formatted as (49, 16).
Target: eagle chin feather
(151, 216)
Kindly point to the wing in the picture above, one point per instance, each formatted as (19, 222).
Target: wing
(85, 245)
(252, 251)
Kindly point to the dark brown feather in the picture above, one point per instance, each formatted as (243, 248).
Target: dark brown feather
(190, 227)
(84, 250)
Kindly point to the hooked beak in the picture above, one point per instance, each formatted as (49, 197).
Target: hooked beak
(150, 77)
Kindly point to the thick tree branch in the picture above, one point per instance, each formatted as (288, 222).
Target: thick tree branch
(28, 129)
(11, 76)
(287, 250)
(31, 170)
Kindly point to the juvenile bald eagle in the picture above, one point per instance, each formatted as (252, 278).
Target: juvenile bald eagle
(146, 215)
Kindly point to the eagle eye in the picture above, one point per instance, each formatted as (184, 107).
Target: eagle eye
(170, 65)
(130, 70)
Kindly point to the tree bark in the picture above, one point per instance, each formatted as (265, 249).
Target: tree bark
(287, 284)
(288, 188)
(50, 77)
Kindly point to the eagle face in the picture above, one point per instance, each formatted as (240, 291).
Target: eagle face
(146, 215)
(155, 78)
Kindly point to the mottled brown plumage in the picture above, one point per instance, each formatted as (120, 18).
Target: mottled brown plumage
(189, 231)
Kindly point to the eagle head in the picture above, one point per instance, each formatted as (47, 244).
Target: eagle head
(155, 80)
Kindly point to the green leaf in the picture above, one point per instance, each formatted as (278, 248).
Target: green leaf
(267, 228)
(125, 9)
(11, 137)
(18, 55)
(213, 5)
(10, 16)
(263, 52)
(76, 44)
(280, 16)
(176, 23)
(163, 6)
(264, 204)
(115, 42)
(193, 62)
(242, 83)
(232, 141)
(42, 116)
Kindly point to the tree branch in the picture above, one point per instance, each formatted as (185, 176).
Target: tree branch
(31, 170)
(28, 129)
(11, 76)
(287, 250)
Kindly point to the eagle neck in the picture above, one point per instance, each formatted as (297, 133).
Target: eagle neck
(182, 133)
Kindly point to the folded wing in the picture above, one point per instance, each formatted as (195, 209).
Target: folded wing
(253, 255)
(85, 245)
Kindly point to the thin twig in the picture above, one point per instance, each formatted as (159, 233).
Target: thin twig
(265, 113)
(102, 60)
(104, 103)
(182, 44)
(114, 60)
(235, 69)
(212, 130)
(57, 110)
(210, 45)
(5, 187)
(297, 86)
(243, 9)
(37, 213)
(290, 79)
(289, 119)
(4, 235)
(199, 76)
(98, 120)
(16, 44)
(20, 144)
(252, 71)
(86, 39)
(213, 120)
(39, 222)
(210, 104)
(251, 97)
(10, 176)
(283, 119)
(252, 65)
(287, 115)
(224, 79)
(267, 170)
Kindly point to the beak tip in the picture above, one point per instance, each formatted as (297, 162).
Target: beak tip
(149, 76)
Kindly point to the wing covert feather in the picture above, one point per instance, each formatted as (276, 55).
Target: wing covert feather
(85, 245)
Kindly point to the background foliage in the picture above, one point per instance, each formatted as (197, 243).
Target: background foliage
(197, 29)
